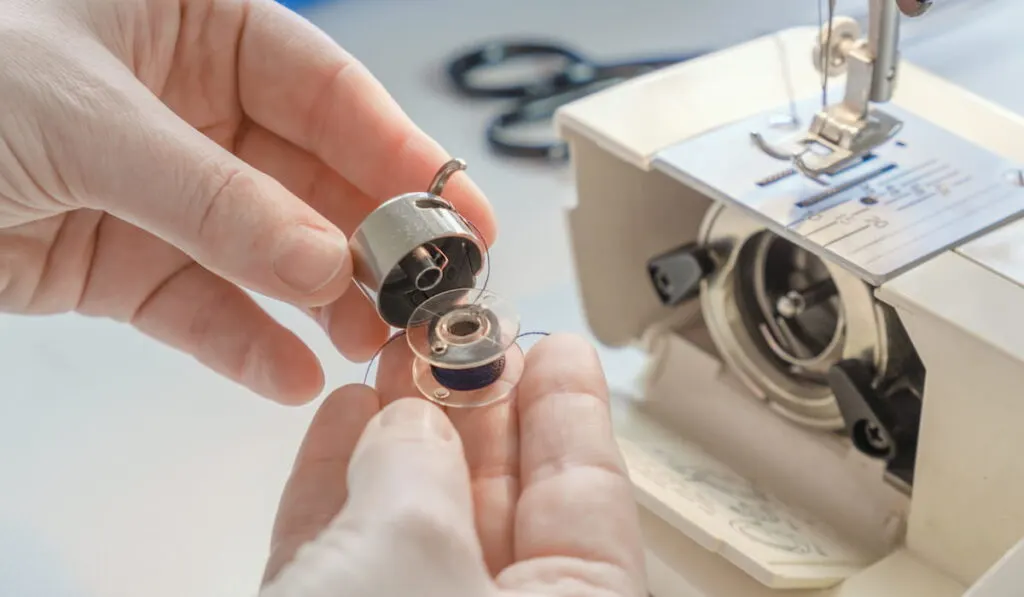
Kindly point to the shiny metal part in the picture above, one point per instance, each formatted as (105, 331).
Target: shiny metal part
(424, 266)
(413, 247)
(883, 48)
(441, 178)
(795, 303)
(781, 318)
(842, 133)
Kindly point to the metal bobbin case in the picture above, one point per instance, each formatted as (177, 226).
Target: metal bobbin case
(413, 247)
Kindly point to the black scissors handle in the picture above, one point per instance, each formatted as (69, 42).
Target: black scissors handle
(584, 73)
(576, 82)
(539, 97)
(460, 69)
(501, 130)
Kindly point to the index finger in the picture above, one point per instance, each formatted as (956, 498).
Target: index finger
(576, 516)
(297, 82)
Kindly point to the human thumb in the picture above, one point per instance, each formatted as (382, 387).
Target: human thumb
(171, 180)
(407, 527)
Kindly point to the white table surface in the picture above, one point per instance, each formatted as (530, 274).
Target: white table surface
(128, 470)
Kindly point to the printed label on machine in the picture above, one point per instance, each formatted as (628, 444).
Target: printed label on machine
(921, 193)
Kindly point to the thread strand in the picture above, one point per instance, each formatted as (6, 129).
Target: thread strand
(369, 365)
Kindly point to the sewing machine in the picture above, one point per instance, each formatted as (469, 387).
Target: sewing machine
(826, 285)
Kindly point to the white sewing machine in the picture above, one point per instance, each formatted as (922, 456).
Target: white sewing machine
(835, 400)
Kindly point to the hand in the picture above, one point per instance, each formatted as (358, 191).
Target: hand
(525, 498)
(156, 156)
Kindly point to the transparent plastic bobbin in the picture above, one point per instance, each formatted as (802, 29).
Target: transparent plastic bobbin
(463, 332)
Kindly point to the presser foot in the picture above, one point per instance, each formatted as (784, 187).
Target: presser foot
(833, 142)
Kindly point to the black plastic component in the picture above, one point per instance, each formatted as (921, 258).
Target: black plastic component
(676, 275)
(881, 425)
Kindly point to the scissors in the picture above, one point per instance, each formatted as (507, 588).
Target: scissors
(538, 96)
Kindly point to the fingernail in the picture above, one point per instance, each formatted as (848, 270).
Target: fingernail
(419, 417)
(309, 259)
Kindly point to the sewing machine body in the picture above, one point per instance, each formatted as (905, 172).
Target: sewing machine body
(735, 499)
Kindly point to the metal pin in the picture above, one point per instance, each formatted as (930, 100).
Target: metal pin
(795, 302)
(442, 176)
(421, 266)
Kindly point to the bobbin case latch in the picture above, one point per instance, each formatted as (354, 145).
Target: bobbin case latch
(413, 247)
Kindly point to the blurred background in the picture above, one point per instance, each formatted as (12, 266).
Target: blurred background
(128, 470)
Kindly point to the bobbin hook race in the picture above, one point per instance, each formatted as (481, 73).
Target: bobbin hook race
(465, 348)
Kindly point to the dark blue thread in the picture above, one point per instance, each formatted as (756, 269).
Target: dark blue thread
(468, 380)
